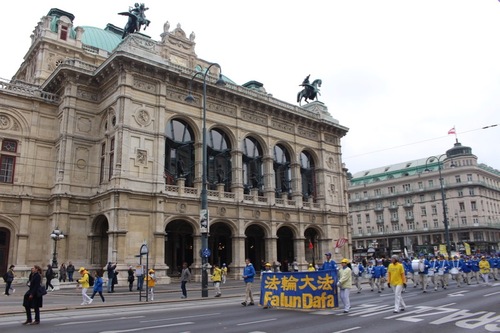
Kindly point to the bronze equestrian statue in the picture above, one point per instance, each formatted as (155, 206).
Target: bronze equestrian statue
(136, 18)
(310, 90)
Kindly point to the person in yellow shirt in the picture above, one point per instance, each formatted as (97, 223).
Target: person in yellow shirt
(217, 278)
(345, 284)
(397, 280)
(151, 281)
(311, 268)
(484, 269)
(84, 282)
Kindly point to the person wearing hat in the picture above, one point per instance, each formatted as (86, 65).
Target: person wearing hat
(311, 268)
(397, 280)
(267, 269)
(345, 284)
(329, 263)
(150, 280)
(84, 282)
(379, 272)
(422, 275)
(217, 278)
(474, 266)
(484, 269)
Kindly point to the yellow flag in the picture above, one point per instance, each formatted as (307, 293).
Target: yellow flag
(467, 249)
(442, 249)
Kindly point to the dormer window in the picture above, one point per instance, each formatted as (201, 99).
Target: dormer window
(64, 33)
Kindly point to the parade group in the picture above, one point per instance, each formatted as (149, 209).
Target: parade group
(429, 270)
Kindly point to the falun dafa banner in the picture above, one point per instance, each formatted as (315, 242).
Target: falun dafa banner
(299, 290)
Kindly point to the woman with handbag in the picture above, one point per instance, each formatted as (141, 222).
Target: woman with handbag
(33, 299)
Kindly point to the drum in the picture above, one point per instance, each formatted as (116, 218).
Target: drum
(355, 270)
(414, 264)
(430, 272)
(367, 276)
(454, 271)
(441, 271)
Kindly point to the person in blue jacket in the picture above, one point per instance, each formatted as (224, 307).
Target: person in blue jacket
(98, 282)
(248, 275)
(493, 260)
(443, 271)
(456, 270)
(474, 266)
(329, 263)
(466, 270)
(379, 274)
(423, 275)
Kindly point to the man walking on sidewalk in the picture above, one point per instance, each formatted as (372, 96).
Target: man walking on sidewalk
(248, 275)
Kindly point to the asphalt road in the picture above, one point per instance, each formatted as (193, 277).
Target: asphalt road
(473, 308)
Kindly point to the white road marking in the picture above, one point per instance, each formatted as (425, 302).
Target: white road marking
(185, 317)
(495, 293)
(148, 327)
(349, 329)
(96, 321)
(256, 322)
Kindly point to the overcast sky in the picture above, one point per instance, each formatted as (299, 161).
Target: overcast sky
(398, 73)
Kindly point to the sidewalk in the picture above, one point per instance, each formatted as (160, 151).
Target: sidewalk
(69, 298)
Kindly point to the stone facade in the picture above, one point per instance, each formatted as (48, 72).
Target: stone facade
(99, 154)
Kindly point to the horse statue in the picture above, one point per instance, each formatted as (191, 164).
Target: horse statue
(136, 18)
(310, 90)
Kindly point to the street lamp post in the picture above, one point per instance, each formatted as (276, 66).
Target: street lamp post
(204, 217)
(443, 197)
(56, 236)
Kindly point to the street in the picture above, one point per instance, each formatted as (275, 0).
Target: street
(474, 308)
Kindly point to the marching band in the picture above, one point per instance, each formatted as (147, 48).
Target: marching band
(430, 269)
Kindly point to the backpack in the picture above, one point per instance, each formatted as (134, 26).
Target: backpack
(91, 280)
(5, 276)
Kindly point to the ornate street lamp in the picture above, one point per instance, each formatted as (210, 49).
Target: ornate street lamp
(433, 159)
(204, 218)
(56, 236)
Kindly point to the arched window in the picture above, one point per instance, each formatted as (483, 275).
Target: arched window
(179, 152)
(282, 170)
(308, 175)
(253, 169)
(219, 160)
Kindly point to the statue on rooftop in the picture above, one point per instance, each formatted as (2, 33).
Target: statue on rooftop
(310, 91)
(136, 18)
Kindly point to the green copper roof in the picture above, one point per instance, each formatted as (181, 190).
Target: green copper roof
(101, 39)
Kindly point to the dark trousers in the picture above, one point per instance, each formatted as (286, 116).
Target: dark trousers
(70, 276)
(28, 313)
(100, 294)
(183, 288)
(48, 284)
(7, 287)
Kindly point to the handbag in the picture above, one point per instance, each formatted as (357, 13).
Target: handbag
(41, 291)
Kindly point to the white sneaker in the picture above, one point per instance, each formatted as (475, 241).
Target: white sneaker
(83, 303)
(91, 300)
(13, 290)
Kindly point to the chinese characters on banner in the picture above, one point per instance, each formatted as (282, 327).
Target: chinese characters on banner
(300, 290)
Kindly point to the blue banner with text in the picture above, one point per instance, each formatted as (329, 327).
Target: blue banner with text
(299, 290)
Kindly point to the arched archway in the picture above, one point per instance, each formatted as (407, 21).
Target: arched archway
(311, 245)
(178, 245)
(282, 170)
(253, 167)
(4, 249)
(99, 250)
(307, 172)
(285, 249)
(220, 244)
(219, 169)
(255, 248)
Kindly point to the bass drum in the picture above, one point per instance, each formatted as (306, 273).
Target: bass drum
(454, 271)
(355, 270)
(414, 264)
(441, 271)
(430, 272)
(367, 276)
(421, 266)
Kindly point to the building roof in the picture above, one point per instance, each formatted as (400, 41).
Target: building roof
(103, 39)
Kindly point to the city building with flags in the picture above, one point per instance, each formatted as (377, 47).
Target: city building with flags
(397, 209)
